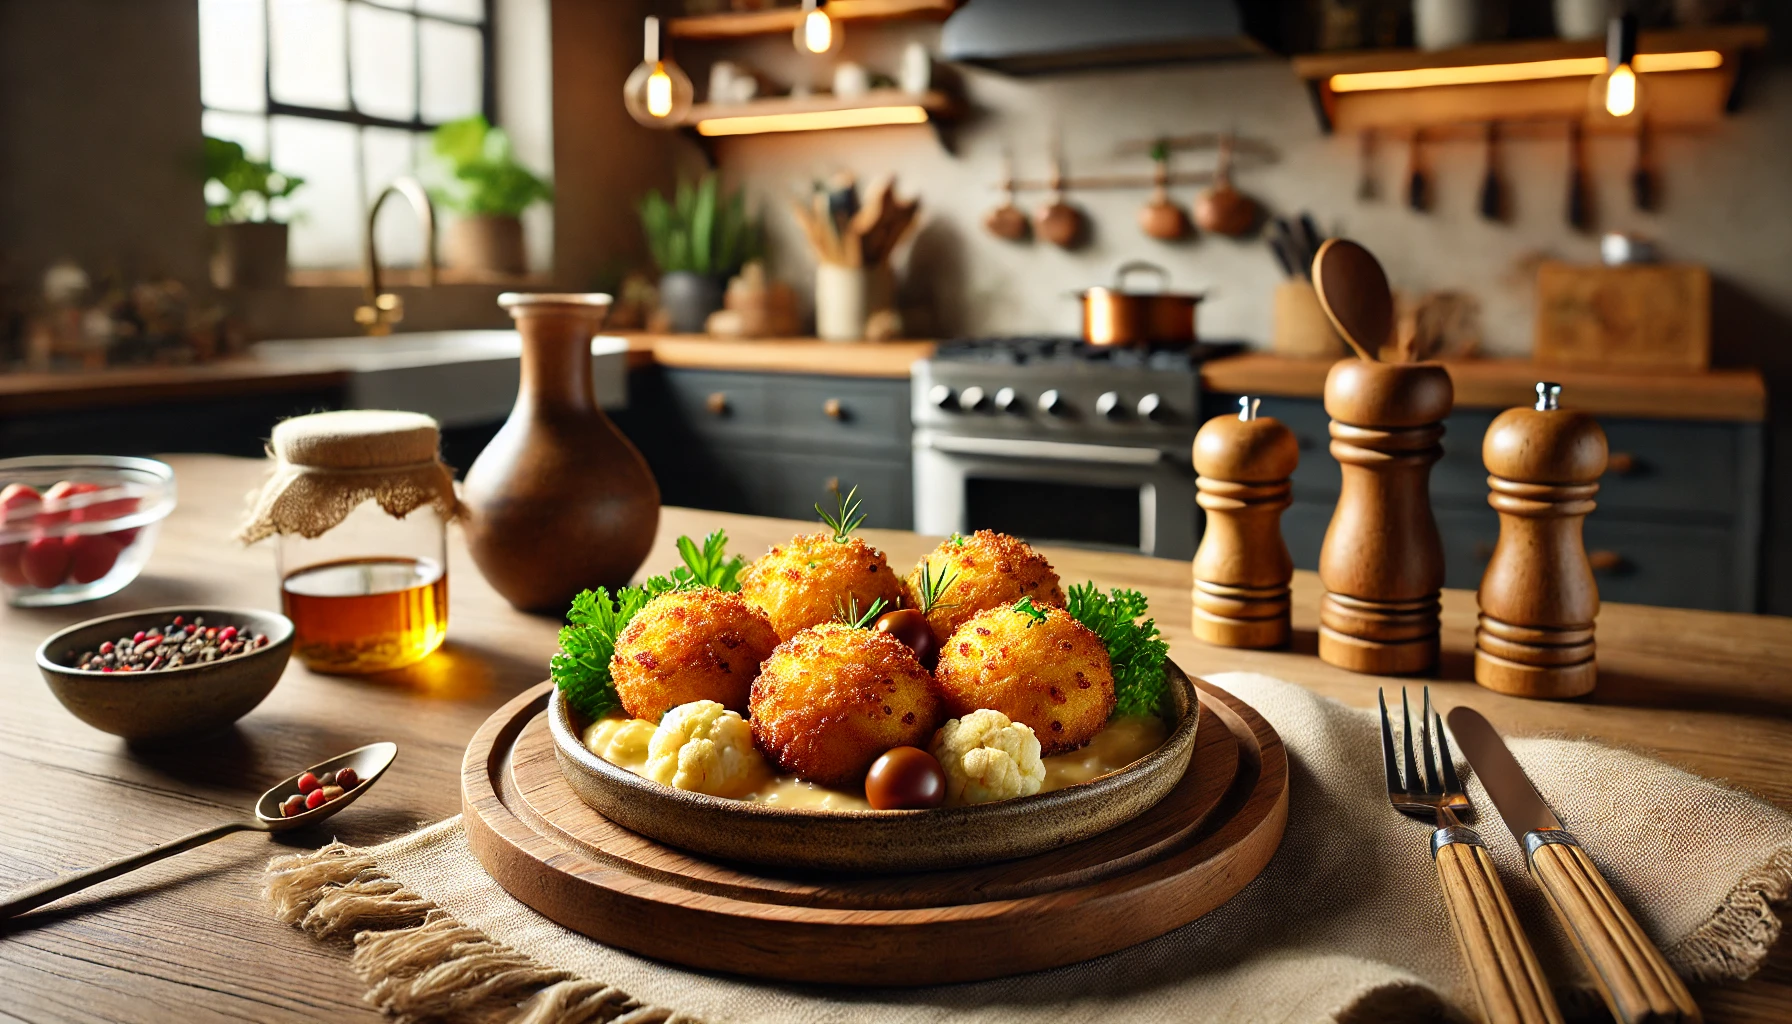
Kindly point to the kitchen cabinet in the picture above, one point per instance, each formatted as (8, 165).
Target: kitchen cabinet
(775, 444)
(1678, 522)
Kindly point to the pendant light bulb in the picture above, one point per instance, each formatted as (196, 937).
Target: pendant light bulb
(1618, 91)
(816, 33)
(658, 93)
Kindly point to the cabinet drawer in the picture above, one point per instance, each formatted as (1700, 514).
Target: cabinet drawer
(809, 411)
(788, 485)
(1673, 467)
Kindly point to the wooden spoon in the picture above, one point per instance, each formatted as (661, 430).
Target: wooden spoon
(1057, 221)
(1354, 293)
(369, 763)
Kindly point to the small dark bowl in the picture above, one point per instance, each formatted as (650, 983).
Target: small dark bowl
(166, 702)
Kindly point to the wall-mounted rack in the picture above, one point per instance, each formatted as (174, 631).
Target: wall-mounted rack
(1246, 154)
(1690, 76)
(741, 24)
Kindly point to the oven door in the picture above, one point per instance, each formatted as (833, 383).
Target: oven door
(1107, 496)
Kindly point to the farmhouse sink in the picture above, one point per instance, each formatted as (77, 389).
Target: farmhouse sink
(459, 377)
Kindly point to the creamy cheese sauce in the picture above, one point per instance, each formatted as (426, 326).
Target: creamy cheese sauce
(1125, 739)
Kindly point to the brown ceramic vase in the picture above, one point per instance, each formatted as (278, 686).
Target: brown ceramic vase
(560, 501)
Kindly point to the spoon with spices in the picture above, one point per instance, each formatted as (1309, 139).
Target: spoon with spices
(360, 768)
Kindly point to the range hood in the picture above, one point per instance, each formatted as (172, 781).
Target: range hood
(1035, 36)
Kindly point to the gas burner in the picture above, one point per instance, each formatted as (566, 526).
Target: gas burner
(1024, 350)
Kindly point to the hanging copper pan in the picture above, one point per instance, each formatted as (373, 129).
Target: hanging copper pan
(1120, 316)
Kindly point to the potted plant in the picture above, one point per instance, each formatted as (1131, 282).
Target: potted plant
(698, 240)
(244, 202)
(490, 190)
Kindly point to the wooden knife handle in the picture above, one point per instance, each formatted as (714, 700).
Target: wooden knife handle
(1508, 982)
(1638, 985)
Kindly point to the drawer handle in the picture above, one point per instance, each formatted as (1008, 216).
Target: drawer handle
(717, 403)
(1606, 561)
(1621, 464)
(834, 409)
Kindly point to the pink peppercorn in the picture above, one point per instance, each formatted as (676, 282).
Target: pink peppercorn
(178, 620)
(137, 638)
(229, 633)
(347, 778)
(315, 799)
(308, 782)
(106, 648)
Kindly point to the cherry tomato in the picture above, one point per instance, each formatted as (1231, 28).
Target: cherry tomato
(905, 778)
(12, 569)
(92, 556)
(44, 563)
(910, 627)
(56, 510)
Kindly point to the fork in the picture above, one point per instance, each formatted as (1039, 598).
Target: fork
(1508, 983)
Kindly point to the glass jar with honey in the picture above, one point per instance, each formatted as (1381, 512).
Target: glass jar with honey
(359, 502)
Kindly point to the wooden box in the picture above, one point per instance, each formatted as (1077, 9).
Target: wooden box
(1637, 317)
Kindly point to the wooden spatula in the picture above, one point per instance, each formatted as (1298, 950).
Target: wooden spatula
(1354, 292)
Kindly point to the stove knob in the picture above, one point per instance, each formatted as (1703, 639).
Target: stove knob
(1007, 401)
(1053, 403)
(1109, 405)
(971, 398)
(941, 396)
(1151, 407)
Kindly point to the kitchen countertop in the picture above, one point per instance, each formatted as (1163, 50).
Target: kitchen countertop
(1719, 395)
(191, 940)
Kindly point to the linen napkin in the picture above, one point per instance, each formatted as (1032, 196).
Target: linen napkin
(1345, 924)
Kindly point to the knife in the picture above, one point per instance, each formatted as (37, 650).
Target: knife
(1632, 975)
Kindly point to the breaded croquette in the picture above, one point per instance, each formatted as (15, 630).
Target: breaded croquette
(806, 582)
(831, 699)
(690, 645)
(1039, 667)
(985, 570)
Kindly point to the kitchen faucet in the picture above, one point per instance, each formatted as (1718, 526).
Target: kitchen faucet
(380, 310)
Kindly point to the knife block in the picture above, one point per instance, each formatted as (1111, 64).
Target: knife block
(1242, 567)
(1382, 563)
(1538, 597)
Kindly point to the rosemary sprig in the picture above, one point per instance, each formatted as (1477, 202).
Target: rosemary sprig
(934, 587)
(844, 519)
(851, 616)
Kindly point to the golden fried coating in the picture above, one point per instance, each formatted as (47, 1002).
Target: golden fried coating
(831, 699)
(988, 570)
(805, 582)
(1052, 674)
(688, 645)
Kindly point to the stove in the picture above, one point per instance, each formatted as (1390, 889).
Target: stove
(1059, 442)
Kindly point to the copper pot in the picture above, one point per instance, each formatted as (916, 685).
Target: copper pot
(1117, 316)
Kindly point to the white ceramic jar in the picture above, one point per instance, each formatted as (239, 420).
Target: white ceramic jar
(1444, 24)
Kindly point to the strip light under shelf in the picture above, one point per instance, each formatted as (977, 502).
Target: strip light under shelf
(811, 120)
(1479, 74)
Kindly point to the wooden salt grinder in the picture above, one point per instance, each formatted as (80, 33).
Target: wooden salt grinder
(1242, 568)
(1538, 598)
(1382, 564)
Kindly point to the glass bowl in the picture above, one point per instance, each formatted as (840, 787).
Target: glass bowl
(78, 527)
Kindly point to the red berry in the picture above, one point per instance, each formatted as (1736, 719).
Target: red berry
(315, 799)
(308, 782)
(12, 569)
(106, 648)
(138, 636)
(178, 620)
(91, 557)
(19, 496)
(57, 502)
(229, 633)
(347, 779)
(45, 562)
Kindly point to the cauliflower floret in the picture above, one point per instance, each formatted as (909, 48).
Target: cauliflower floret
(705, 748)
(987, 757)
(620, 741)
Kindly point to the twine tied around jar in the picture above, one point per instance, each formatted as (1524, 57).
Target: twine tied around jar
(326, 464)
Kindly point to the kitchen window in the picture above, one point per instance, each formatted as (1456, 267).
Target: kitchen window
(343, 93)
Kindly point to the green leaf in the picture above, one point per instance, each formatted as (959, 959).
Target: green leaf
(703, 226)
(1136, 649)
(1026, 607)
(699, 229)
(248, 187)
(581, 667)
(484, 175)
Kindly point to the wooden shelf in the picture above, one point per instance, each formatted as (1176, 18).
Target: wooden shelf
(1675, 99)
(790, 113)
(739, 24)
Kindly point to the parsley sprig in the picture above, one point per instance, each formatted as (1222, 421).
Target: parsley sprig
(1136, 648)
(845, 518)
(581, 667)
(1026, 607)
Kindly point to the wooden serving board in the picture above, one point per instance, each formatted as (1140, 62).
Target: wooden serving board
(1209, 837)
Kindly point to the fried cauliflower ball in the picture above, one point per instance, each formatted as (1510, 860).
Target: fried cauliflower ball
(805, 582)
(705, 748)
(686, 645)
(1051, 674)
(986, 757)
(985, 570)
(831, 699)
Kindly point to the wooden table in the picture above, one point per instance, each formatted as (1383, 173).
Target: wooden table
(191, 940)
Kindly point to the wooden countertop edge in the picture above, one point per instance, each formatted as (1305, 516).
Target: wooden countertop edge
(1737, 396)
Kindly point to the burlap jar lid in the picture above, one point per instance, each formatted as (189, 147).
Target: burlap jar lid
(328, 463)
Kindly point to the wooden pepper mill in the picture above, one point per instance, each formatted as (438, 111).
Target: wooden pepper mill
(1382, 563)
(1538, 598)
(1242, 568)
